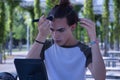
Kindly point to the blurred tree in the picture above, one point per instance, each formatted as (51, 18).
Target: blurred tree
(19, 27)
(30, 10)
(12, 4)
(98, 22)
(88, 13)
(78, 30)
(37, 14)
(88, 10)
(50, 4)
(117, 23)
(112, 35)
(105, 24)
(2, 27)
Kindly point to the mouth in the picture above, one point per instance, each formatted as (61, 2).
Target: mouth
(57, 41)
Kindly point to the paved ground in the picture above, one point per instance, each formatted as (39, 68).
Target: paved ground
(8, 66)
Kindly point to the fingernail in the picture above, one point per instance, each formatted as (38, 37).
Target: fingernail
(42, 15)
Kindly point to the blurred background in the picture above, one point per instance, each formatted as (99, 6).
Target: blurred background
(17, 31)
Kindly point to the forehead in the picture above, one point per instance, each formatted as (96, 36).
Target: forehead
(59, 23)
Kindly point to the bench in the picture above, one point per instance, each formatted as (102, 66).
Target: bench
(111, 61)
(113, 69)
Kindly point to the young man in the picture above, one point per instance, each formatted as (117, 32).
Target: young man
(65, 57)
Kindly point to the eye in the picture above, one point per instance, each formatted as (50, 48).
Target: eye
(51, 29)
(61, 30)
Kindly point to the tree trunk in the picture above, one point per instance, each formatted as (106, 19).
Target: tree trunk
(0, 58)
(112, 38)
(20, 45)
(116, 23)
(10, 44)
(88, 13)
(37, 13)
(0, 53)
(106, 45)
(117, 44)
(2, 26)
(105, 24)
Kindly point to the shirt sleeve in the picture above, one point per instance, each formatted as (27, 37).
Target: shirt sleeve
(88, 55)
(87, 52)
(47, 44)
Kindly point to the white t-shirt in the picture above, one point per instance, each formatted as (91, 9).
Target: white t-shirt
(66, 62)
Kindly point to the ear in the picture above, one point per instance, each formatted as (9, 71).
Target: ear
(73, 27)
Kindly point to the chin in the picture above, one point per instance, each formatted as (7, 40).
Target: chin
(59, 43)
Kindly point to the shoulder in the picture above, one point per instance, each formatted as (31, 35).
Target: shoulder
(48, 43)
(83, 47)
(87, 52)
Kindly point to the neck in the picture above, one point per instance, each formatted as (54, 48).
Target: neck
(72, 41)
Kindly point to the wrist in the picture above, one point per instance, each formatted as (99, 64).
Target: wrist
(93, 39)
(39, 42)
(93, 42)
(40, 38)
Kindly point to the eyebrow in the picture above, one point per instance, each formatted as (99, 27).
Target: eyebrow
(60, 29)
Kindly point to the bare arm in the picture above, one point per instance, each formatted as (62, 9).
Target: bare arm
(97, 66)
(36, 48)
(43, 27)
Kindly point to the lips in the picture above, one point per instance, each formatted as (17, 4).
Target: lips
(57, 41)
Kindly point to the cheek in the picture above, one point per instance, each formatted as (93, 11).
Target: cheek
(65, 35)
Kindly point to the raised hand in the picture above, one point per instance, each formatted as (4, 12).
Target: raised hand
(43, 26)
(90, 27)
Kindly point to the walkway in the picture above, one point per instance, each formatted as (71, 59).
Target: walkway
(8, 65)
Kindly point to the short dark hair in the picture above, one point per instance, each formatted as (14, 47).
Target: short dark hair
(64, 10)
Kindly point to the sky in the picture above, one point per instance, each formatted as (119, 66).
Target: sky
(98, 2)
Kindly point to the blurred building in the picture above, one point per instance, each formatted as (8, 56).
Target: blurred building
(98, 7)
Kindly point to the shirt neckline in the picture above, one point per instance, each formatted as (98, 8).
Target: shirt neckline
(70, 46)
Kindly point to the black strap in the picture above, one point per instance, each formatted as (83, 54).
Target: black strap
(46, 45)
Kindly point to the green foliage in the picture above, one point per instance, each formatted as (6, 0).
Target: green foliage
(37, 11)
(15, 18)
(88, 13)
(19, 27)
(37, 14)
(117, 19)
(78, 31)
(88, 9)
(105, 25)
(77, 7)
(51, 4)
(12, 4)
(105, 18)
(98, 21)
(30, 15)
(105, 14)
(19, 32)
(2, 25)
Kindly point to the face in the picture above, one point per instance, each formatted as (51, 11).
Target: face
(61, 32)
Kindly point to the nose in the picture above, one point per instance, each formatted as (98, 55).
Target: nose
(55, 34)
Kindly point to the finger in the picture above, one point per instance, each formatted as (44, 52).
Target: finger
(41, 20)
(87, 24)
(45, 23)
(84, 26)
(87, 21)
